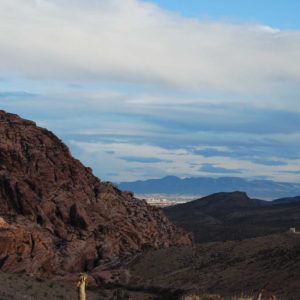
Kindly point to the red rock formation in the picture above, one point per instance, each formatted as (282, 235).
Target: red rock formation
(58, 218)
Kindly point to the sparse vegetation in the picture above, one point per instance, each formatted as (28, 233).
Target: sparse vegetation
(234, 270)
(19, 287)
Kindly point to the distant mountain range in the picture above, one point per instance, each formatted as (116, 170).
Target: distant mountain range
(266, 189)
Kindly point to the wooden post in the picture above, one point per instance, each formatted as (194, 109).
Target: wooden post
(81, 286)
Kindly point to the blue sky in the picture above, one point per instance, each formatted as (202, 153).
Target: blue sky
(144, 89)
(275, 13)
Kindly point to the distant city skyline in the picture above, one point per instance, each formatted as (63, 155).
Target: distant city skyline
(145, 89)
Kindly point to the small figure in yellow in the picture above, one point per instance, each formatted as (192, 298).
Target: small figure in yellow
(81, 286)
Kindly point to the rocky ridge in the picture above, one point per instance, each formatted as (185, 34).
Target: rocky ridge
(58, 219)
(234, 216)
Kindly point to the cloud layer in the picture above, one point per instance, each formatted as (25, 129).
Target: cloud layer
(134, 41)
(123, 139)
(139, 92)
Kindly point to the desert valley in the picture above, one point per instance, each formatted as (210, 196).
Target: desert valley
(58, 220)
(149, 150)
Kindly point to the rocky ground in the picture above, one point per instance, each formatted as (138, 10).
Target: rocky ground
(19, 287)
(231, 268)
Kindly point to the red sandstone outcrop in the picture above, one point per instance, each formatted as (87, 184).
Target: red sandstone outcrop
(58, 219)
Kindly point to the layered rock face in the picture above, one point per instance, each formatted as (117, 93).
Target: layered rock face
(58, 219)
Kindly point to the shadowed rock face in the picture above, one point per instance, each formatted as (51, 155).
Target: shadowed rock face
(57, 219)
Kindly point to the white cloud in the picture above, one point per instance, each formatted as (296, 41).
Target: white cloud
(92, 43)
(101, 121)
(180, 163)
(133, 41)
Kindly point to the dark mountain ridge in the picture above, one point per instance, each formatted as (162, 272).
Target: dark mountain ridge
(233, 216)
(278, 201)
(286, 200)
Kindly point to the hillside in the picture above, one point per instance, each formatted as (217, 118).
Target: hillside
(232, 216)
(57, 219)
(265, 189)
(286, 200)
(231, 268)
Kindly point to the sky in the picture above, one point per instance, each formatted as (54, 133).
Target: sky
(144, 89)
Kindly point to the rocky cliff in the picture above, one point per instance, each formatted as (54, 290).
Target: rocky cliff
(58, 219)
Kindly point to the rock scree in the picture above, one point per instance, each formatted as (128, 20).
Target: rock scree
(57, 219)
